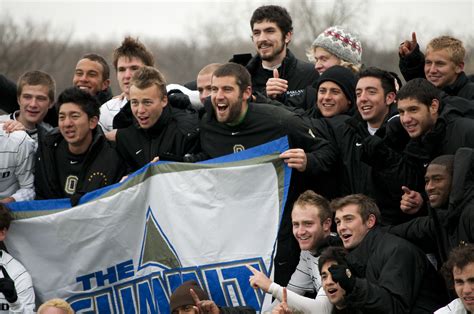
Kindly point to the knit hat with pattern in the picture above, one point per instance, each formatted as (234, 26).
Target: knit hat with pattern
(340, 43)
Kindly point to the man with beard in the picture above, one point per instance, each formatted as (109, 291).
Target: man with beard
(235, 124)
(275, 71)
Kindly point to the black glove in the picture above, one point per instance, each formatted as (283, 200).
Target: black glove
(342, 274)
(7, 287)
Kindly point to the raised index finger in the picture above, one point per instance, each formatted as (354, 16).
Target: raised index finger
(285, 296)
(194, 296)
(252, 269)
(413, 38)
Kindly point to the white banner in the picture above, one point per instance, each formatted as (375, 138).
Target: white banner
(125, 248)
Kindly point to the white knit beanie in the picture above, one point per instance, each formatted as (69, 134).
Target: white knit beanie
(340, 43)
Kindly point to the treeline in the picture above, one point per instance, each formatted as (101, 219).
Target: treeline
(30, 46)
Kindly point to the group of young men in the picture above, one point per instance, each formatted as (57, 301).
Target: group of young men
(395, 160)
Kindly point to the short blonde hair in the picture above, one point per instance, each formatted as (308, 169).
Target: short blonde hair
(57, 303)
(453, 45)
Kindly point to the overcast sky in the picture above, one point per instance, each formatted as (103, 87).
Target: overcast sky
(111, 20)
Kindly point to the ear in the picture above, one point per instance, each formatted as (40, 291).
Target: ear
(327, 225)
(371, 221)
(434, 107)
(459, 67)
(390, 98)
(288, 37)
(105, 84)
(93, 122)
(3, 234)
(247, 93)
(164, 101)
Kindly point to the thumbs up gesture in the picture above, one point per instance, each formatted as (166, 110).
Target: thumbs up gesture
(276, 86)
(7, 287)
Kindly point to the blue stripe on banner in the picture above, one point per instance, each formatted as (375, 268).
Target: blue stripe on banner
(277, 146)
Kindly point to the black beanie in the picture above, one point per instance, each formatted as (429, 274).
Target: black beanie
(181, 296)
(343, 77)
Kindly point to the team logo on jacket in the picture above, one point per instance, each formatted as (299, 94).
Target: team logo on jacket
(71, 184)
(238, 148)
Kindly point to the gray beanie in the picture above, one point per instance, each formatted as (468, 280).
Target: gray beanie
(340, 43)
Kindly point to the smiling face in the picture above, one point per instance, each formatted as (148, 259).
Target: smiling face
(372, 103)
(89, 76)
(307, 227)
(270, 42)
(351, 227)
(76, 127)
(34, 104)
(440, 70)
(331, 99)
(333, 290)
(228, 101)
(147, 105)
(437, 185)
(464, 285)
(417, 118)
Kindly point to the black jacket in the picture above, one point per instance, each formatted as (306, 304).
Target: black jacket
(393, 276)
(445, 229)
(412, 66)
(299, 75)
(8, 99)
(264, 123)
(172, 137)
(102, 166)
(452, 130)
(353, 140)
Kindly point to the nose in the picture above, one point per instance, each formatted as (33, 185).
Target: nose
(318, 65)
(325, 95)
(467, 289)
(405, 118)
(432, 68)
(429, 185)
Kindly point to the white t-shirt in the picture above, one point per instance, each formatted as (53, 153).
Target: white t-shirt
(455, 307)
(108, 111)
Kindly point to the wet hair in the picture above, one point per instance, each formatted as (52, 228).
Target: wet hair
(454, 46)
(88, 103)
(275, 14)
(332, 254)
(419, 89)
(98, 58)
(459, 257)
(313, 199)
(365, 204)
(133, 48)
(5, 217)
(446, 161)
(386, 79)
(239, 72)
(147, 76)
(37, 78)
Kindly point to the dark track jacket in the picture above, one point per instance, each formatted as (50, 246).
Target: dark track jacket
(392, 276)
(102, 166)
(172, 137)
(298, 73)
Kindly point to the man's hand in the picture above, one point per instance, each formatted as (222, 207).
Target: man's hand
(276, 86)
(259, 280)
(111, 135)
(282, 308)
(204, 306)
(7, 287)
(6, 200)
(12, 125)
(342, 274)
(411, 201)
(407, 46)
(295, 158)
